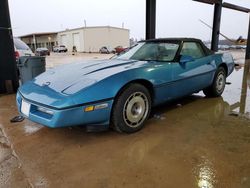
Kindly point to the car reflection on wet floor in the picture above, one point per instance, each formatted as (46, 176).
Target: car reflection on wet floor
(191, 142)
(242, 75)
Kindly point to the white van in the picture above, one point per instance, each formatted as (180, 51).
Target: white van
(21, 49)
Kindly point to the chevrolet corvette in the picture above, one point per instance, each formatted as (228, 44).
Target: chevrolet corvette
(120, 92)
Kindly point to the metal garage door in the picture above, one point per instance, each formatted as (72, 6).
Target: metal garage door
(76, 41)
(64, 40)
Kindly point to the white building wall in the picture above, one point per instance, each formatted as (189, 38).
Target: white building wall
(67, 38)
(97, 37)
(91, 39)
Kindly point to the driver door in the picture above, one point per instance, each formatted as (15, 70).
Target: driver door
(190, 77)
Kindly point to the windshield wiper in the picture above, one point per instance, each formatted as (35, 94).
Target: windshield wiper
(146, 59)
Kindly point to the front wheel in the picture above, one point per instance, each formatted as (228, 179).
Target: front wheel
(218, 85)
(131, 109)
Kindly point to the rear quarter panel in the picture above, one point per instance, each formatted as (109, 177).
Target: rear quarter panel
(224, 58)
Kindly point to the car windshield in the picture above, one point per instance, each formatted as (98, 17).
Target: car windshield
(151, 51)
(20, 45)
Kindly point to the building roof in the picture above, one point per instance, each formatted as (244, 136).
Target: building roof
(53, 33)
(93, 27)
(37, 34)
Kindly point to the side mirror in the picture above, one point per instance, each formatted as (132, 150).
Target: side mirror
(186, 58)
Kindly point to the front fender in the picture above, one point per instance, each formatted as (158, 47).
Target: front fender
(108, 88)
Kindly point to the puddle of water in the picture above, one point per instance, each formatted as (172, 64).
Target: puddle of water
(206, 174)
(238, 93)
(31, 128)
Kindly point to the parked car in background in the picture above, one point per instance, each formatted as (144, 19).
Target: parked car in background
(60, 49)
(233, 47)
(224, 47)
(106, 50)
(54, 48)
(21, 49)
(243, 47)
(121, 91)
(119, 49)
(42, 52)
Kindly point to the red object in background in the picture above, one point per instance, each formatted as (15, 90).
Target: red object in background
(17, 55)
(119, 49)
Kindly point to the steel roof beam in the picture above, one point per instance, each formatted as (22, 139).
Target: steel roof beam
(211, 2)
(8, 68)
(217, 18)
(248, 43)
(216, 26)
(235, 7)
(150, 18)
(225, 5)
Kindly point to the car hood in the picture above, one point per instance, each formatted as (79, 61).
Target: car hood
(71, 78)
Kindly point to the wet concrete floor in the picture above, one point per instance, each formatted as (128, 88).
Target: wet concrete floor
(193, 142)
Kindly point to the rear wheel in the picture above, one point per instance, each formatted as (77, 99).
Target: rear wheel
(218, 85)
(131, 109)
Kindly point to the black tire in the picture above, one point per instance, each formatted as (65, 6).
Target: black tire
(131, 109)
(218, 85)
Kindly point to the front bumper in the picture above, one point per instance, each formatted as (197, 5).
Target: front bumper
(66, 117)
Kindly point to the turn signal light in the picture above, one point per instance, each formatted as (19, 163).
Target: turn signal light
(96, 107)
(89, 108)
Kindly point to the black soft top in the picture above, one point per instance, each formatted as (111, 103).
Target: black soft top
(173, 40)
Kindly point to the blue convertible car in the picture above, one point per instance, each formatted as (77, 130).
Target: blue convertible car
(121, 91)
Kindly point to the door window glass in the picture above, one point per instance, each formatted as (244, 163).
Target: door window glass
(192, 49)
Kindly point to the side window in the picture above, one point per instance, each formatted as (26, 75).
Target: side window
(192, 49)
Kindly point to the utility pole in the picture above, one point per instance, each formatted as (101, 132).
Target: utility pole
(8, 67)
